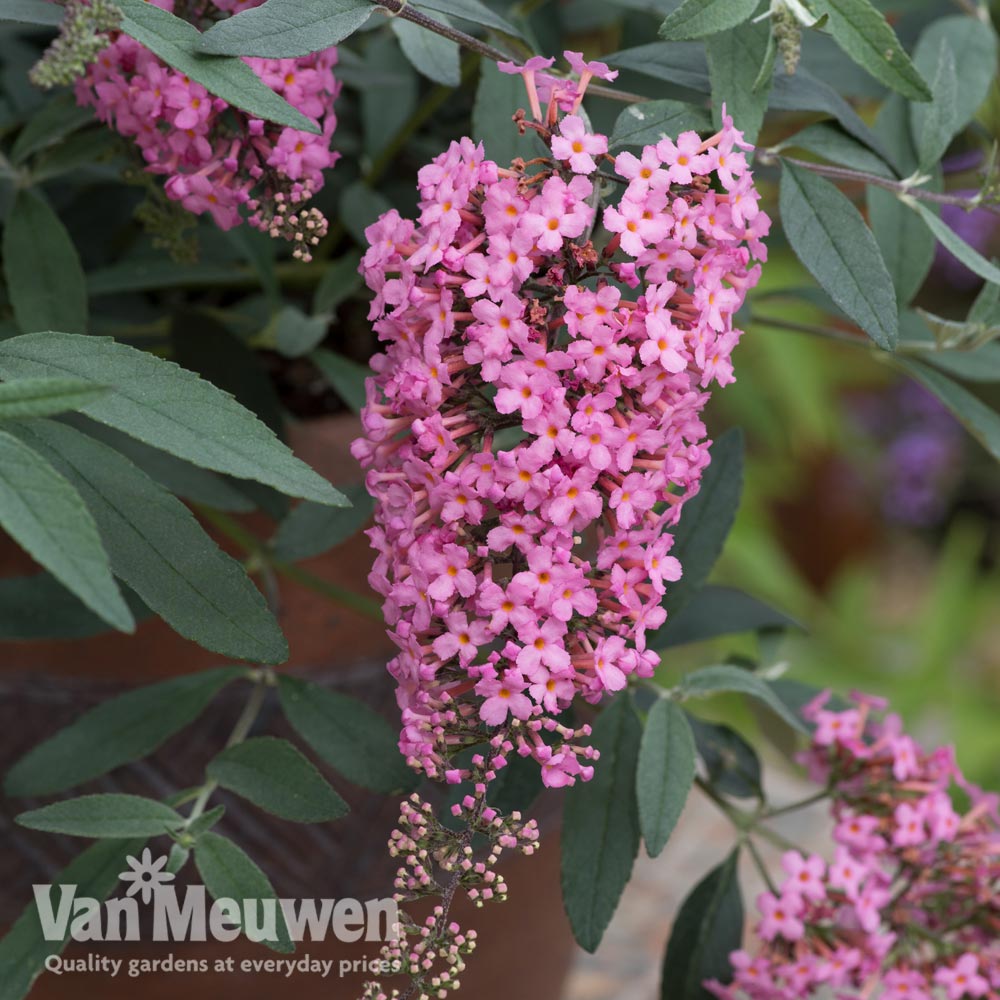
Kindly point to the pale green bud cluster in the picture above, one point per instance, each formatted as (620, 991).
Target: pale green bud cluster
(83, 34)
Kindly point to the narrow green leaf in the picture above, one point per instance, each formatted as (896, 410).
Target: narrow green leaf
(205, 821)
(708, 928)
(312, 529)
(177, 43)
(980, 365)
(31, 12)
(346, 377)
(284, 29)
(471, 10)
(120, 730)
(732, 765)
(105, 816)
(296, 334)
(665, 772)
(698, 18)
(436, 57)
(94, 874)
(498, 96)
(40, 607)
(648, 123)
(44, 277)
(706, 519)
(169, 408)
(601, 826)
(832, 143)
(949, 239)
(55, 120)
(982, 422)
(959, 55)
(734, 62)
(158, 548)
(145, 275)
(48, 518)
(831, 239)
(228, 872)
(864, 34)
(179, 477)
(725, 677)
(715, 611)
(935, 124)
(340, 281)
(45, 397)
(273, 774)
(347, 734)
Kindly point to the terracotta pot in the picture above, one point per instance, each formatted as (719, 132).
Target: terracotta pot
(48, 684)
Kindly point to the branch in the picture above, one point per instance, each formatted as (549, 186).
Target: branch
(966, 202)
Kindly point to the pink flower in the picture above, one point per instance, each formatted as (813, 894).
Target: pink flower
(577, 145)
(962, 979)
(780, 917)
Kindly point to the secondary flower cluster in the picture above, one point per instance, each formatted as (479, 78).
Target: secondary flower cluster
(534, 428)
(216, 158)
(909, 902)
(439, 861)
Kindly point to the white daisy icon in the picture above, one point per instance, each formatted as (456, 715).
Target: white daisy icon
(146, 875)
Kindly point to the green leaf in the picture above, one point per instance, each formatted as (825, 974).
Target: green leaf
(283, 29)
(169, 408)
(388, 100)
(273, 774)
(177, 43)
(312, 529)
(714, 611)
(158, 548)
(665, 772)
(730, 762)
(431, 54)
(698, 18)
(360, 206)
(182, 478)
(708, 928)
(648, 123)
(864, 34)
(40, 607)
(120, 730)
(55, 120)
(980, 365)
(831, 239)
(24, 949)
(228, 873)
(949, 239)
(972, 56)
(832, 143)
(498, 96)
(45, 397)
(601, 826)
(48, 518)
(145, 275)
(44, 277)
(706, 519)
(347, 734)
(105, 816)
(205, 821)
(734, 63)
(725, 678)
(31, 12)
(340, 281)
(296, 334)
(346, 377)
(471, 10)
(934, 124)
(982, 422)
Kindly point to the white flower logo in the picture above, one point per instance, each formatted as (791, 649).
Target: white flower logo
(146, 875)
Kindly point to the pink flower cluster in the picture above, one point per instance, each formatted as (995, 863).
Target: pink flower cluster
(216, 158)
(908, 904)
(533, 430)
